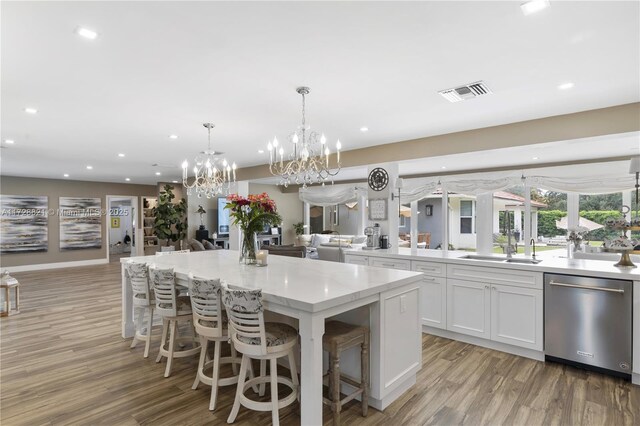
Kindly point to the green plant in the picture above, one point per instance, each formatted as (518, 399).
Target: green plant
(170, 218)
(299, 228)
(201, 211)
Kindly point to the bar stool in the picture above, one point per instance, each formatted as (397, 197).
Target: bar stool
(210, 322)
(6, 284)
(173, 309)
(143, 300)
(256, 339)
(338, 337)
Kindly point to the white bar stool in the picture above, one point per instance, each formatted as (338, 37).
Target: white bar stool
(143, 300)
(173, 309)
(256, 339)
(210, 322)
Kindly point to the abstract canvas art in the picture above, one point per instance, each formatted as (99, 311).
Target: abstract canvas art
(23, 223)
(80, 223)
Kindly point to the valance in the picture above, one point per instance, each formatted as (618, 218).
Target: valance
(331, 195)
(583, 185)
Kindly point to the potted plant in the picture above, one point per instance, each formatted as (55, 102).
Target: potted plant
(298, 228)
(252, 215)
(170, 218)
(201, 211)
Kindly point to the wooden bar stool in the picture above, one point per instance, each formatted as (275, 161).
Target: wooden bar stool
(338, 337)
(8, 283)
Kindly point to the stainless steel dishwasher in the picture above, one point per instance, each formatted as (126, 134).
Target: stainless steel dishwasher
(587, 321)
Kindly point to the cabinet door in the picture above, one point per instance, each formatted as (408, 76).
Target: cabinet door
(433, 302)
(383, 262)
(468, 308)
(517, 316)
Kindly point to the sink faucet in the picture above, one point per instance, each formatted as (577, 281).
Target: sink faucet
(533, 243)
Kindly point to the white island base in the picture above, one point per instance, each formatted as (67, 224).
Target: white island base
(311, 291)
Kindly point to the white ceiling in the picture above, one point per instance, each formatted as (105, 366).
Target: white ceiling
(161, 68)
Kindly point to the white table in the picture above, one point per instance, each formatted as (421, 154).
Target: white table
(311, 291)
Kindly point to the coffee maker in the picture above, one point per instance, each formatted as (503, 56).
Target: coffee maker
(373, 237)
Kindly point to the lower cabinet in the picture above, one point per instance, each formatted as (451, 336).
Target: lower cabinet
(502, 313)
(433, 302)
(356, 260)
(468, 308)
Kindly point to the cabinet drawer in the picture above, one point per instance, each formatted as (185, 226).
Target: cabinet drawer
(382, 262)
(433, 269)
(356, 260)
(495, 275)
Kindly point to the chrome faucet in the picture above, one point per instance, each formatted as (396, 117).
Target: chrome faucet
(533, 242)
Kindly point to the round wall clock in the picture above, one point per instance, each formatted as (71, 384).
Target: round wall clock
(378, 179)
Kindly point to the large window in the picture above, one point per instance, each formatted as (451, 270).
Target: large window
(467, 217)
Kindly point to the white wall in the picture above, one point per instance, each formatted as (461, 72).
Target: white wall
(288, 205)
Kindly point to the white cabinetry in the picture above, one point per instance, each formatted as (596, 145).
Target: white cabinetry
(636, 333)
(433, 294)
(384, 262)
(516, 316)
(468, 308)
(356, 260)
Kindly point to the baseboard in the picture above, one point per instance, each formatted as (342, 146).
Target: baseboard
(57, 265)
(502, 347)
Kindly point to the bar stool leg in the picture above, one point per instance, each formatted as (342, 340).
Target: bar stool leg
(204, 344)
(17, 289)
(239, 389)
(214, 376)
(273, 371)
(172, 341)
(364, 374)
(165, 329)
(149, 327)
(7, 301)
(335, 391)
(263, 372)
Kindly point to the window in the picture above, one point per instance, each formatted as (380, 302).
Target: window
(467, 225)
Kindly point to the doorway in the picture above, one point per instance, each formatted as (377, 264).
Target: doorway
(121, 227)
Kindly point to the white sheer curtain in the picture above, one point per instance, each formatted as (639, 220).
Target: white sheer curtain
(331, 195)
(584, 184)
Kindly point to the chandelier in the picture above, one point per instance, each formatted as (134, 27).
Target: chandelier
(308, 161)
(210, 177)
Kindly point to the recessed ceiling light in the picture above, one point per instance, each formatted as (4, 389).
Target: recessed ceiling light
(174, 181)
(120, 155)
(127, 179)
(534, 158)
(30, 110)
(261, 151)
(173, 136)
(158, 173)
(364, 129)
(66, 175)
(565, 86)
(86, 33)
(9, 141)
(533, 6)
(443, 167)
(89, 167)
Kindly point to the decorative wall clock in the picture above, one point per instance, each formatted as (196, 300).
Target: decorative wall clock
(378, 209)
(378, 179)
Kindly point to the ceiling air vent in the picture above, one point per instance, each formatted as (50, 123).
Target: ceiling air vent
(468, 91)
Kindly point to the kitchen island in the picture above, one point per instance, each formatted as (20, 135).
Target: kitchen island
(310, 291)
(490, 302)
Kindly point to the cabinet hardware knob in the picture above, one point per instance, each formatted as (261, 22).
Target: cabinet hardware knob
(487, 287)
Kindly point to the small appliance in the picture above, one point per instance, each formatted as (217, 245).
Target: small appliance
(373, 237)
(384, 242)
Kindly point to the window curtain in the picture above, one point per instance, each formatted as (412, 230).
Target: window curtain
(331, 195)
(584, 184)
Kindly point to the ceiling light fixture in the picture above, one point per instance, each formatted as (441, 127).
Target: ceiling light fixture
(174, 181)
(89, 167)
(565, 86)
(308, 161)
(66, 175)
(261, 151)
(121, 155)
(158, 173)
(534, 158)
(534, 6)
(9, 141)
(30, 110)
(443, 167)
(86, 33)
(210, 177)
(173, 136)
(127, 179)
(364, 129)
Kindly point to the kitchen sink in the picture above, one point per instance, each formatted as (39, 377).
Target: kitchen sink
(527, 261)
(501, 259)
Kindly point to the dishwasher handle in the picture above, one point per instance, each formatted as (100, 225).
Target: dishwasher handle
(587, 287)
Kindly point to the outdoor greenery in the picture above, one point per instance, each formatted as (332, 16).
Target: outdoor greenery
(547, 223)
(170, 218)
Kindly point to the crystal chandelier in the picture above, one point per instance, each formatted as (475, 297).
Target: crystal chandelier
(308, 162)
(210, 178)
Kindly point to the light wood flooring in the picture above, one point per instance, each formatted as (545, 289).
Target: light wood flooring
(62, 361)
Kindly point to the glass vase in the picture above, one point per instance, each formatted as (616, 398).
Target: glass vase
(249, 248)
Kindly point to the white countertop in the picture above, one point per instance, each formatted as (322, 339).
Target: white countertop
(587, 267)
(306, 284)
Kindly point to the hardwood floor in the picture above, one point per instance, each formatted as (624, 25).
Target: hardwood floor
(62, 361)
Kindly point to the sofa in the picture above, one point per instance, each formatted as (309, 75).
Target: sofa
(329, 246)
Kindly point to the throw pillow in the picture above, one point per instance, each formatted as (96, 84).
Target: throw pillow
(319, 239)
(340, 240)
(304, 240)
(208, 245)
(336, 244)
(196, 245)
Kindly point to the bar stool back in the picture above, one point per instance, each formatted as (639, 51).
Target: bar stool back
(173, 309)
(143, 300)
(256, 339)
(210, 322)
